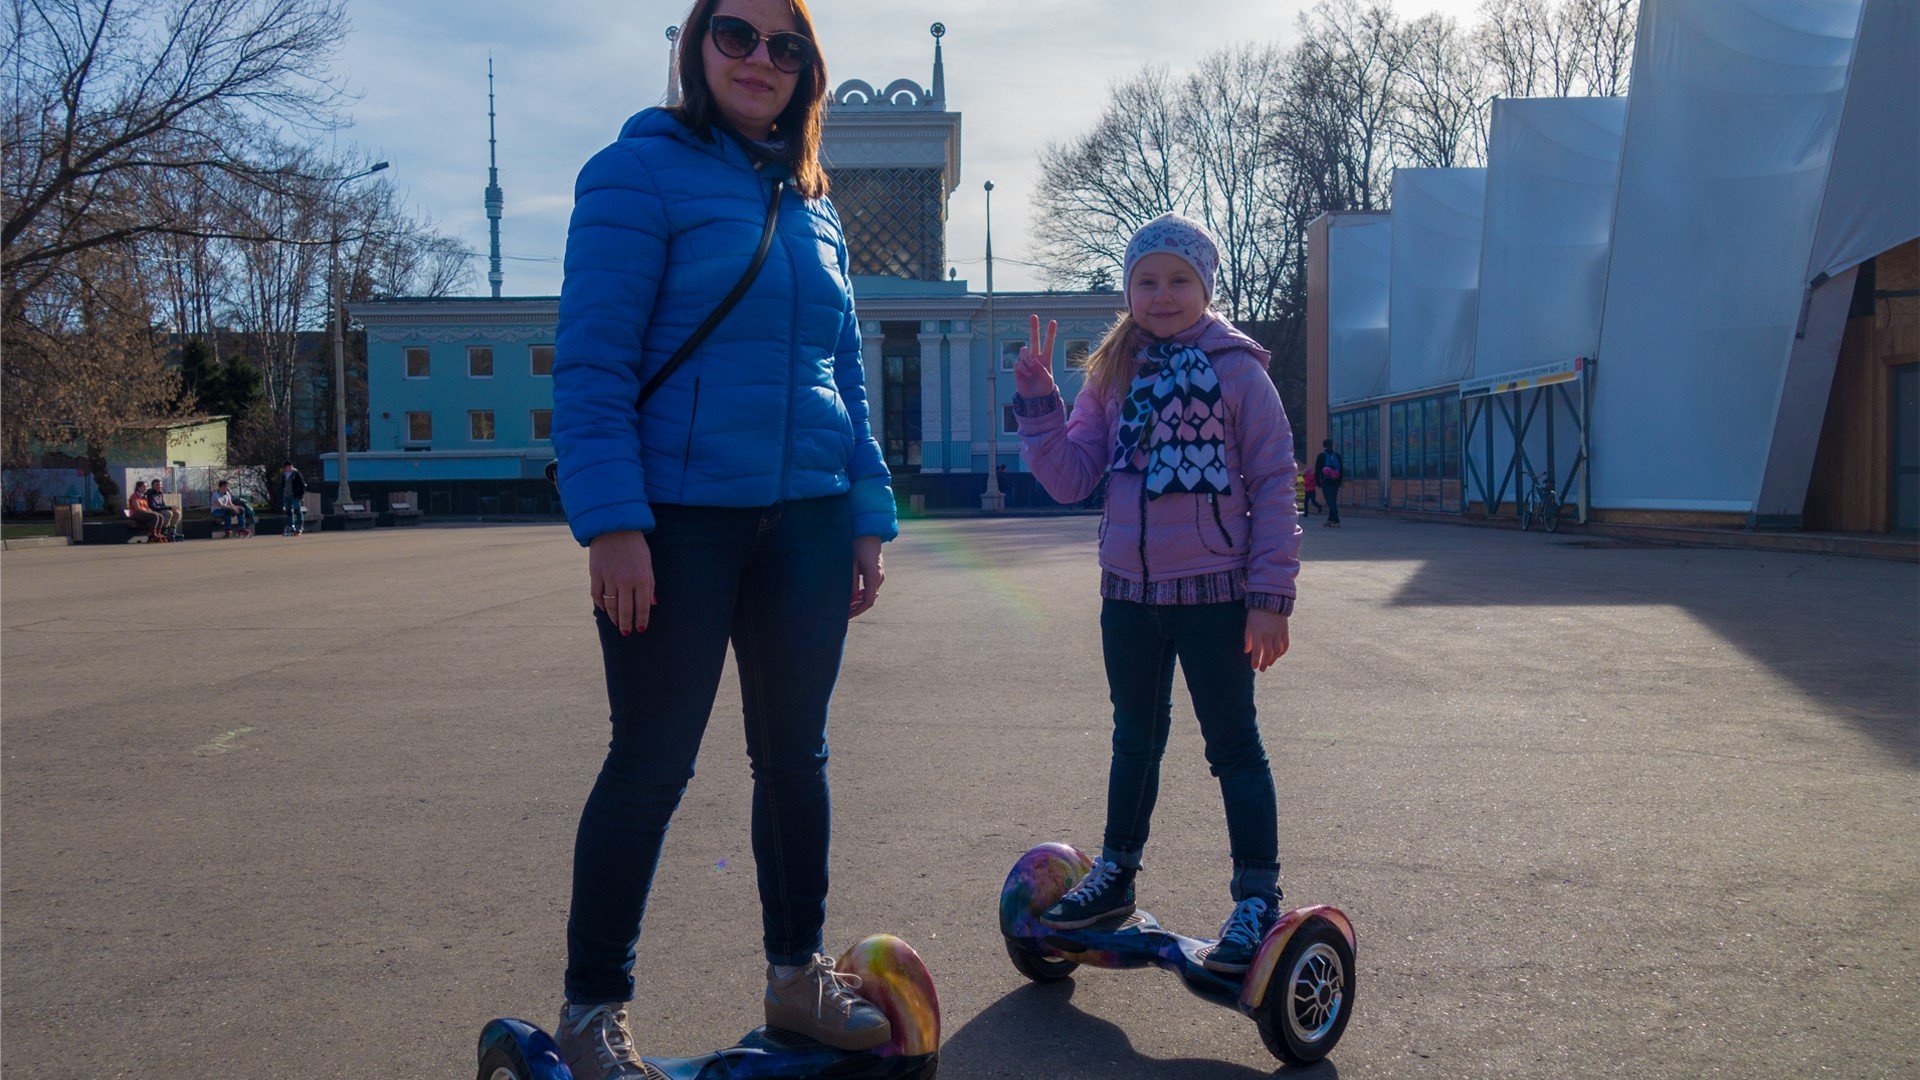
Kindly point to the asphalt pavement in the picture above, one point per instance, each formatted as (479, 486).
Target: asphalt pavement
(305, 807)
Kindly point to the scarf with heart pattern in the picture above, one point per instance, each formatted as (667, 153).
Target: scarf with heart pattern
(1174, 417)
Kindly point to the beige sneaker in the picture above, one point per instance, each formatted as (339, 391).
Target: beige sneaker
(820, 1003)
(597, 1045)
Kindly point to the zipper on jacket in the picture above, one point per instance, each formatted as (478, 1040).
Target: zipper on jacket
(793, 358)
(1145, 450)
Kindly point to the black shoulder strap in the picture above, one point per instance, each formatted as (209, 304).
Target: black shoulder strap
(739, 290)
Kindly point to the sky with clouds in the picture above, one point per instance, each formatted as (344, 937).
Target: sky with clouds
(569, 72)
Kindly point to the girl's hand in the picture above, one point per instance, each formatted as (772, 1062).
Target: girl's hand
(868, 573)
(1266, 637)
(1033, 372)
(620, 568)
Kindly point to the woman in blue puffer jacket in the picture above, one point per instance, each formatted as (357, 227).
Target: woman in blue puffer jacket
(745, 502)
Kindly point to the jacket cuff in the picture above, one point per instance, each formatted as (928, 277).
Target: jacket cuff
(620, 517)
(1035, 407)
(874, 511)
(1274, 602)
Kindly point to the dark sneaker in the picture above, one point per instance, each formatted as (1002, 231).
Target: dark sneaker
(1240, 937)
(819, 1002)
(1105, 892)
(596, 1045)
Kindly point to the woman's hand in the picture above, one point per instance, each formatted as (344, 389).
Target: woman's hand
(1266, 637)
(620, 568)
(868, 573)
(1033, 372)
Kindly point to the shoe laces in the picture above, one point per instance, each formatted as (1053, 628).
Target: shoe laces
(611, 1044)
(1243, 926)
(1103, 874)
(832, 984)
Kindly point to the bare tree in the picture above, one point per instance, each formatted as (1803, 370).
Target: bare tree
(1353, 57)
(1229, 111)
(1096, 190)
(278, 283)
(106, 95)
(1540, 48)
(1443, 115)
(1601, 33)
(1525, 46)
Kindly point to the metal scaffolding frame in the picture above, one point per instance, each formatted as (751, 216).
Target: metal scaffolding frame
(1516, 398)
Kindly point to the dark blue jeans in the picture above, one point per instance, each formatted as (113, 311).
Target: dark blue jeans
(296, 513)
(1141, 642)
(774, 582)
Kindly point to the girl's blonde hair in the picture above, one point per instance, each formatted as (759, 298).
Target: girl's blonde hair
(1109, 366)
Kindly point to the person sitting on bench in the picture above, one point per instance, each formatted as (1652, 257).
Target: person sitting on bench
(232, 513)
(169, 513)
(142, 516)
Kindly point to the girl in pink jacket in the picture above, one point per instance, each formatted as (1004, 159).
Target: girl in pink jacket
(1199, 548)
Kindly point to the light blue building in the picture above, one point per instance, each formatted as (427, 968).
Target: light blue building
(460, 389)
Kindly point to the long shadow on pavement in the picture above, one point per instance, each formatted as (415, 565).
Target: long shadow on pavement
(1037, 1031)
(1842, 630)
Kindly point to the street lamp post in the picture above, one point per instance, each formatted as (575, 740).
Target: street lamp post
(993, 499)
(345, 493)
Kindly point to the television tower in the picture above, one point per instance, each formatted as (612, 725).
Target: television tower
(494, 198)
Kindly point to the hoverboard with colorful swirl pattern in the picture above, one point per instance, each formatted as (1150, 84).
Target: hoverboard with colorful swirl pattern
(892, 977)
(1299, 990)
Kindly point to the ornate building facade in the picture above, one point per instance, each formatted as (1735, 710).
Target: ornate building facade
(460, 389)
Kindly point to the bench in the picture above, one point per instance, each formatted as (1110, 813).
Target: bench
(404, 506)
(354, 515)
(135, 535)
(110, 532)
(206, 529)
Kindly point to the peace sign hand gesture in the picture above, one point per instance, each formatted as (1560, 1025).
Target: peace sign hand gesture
(1033, 372)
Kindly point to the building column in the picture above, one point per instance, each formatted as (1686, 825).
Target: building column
(873, 341)
(930, 398)
(960, 397)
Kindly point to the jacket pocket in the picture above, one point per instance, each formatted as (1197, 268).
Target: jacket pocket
(686, 455)
(1212, 525)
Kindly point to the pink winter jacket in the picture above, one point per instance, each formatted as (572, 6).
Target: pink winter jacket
(1257, 530)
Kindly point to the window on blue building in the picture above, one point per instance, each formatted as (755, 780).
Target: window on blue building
(542, 359)
(419, 362)
(481, 423)
(543, 424)
(419, 427)
(480, 362)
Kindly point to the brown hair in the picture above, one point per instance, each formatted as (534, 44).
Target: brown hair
(799, 123)
(1109, 366)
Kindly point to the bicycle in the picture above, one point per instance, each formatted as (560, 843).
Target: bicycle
(1542, 504)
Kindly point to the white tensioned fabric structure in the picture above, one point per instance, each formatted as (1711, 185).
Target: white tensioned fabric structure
(1553, 168)
(1728, 161)
(1435, 276)
(1872, 204)
(1359, 257)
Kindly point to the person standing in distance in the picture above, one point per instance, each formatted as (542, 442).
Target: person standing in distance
(1327, 467)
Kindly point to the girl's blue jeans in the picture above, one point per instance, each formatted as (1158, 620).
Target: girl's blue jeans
(1141, 643)
(774, 582)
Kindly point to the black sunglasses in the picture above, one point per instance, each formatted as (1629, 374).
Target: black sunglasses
(737, 38)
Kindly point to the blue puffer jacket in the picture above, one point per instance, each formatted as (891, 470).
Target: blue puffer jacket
(771, 407)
